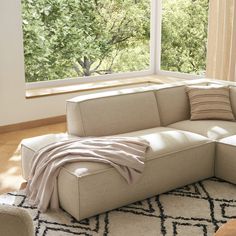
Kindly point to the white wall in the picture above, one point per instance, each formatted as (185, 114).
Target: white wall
(14, 107)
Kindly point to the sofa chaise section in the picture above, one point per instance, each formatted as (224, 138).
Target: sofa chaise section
(175, 158)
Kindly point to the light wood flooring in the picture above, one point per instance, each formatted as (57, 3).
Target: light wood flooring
(10, 159)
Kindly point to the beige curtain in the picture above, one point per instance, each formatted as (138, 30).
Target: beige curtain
(221, 48)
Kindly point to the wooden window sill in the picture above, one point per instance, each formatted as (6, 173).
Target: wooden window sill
(52, 91)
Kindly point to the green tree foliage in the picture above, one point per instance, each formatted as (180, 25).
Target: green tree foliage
(184, 35)
(71, 38)
(74, 38)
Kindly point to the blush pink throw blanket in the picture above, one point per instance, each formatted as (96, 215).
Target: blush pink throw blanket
(126, 155)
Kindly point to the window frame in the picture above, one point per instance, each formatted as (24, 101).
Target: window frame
(155, 59)
(119, 75)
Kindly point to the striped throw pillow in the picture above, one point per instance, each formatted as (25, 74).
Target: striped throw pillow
(208, 103)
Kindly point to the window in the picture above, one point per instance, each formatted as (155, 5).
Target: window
(84, 38)
(184, 36)
(81, 38)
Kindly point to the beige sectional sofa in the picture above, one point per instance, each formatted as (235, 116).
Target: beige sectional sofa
(181, 151)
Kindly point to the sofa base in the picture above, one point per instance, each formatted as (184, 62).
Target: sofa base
(174, 158)
(87, 196)
(225, 165)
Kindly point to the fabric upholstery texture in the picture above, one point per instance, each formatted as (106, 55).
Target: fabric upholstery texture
(225, 164)
(213, 129)
(113, 115)
(96, 193)
(162, 140)
(148, 217)
(173, 104)
(233, 99)
(31, 145)
(126, 155)
(181, 153)
(15, 221)
(207, 102)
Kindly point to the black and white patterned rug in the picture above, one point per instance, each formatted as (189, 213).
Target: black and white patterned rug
(196, 210)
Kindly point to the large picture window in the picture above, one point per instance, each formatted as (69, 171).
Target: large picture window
(184, 36)
(81, 38)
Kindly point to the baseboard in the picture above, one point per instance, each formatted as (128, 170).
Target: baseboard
(32, 124)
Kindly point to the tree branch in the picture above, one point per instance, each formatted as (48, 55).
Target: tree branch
(76, 68)
(113, 59)
(81, 62)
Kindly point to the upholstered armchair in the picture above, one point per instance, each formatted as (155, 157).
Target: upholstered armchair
(15, 221)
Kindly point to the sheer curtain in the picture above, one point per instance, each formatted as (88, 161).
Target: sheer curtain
(221, 52)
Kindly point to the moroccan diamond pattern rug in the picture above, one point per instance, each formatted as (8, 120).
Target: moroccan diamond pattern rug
(196, 210)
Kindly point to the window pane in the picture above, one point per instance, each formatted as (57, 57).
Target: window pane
(184, 35)
(76, 38)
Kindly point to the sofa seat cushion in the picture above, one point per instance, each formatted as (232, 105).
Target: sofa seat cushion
(31, 145)
(225, 164)
(229, 141)
(213, 129)
(162, 141)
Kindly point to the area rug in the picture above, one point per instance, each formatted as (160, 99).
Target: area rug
(196, 210)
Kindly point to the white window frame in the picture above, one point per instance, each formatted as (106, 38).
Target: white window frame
(119, 75)
(155, 59)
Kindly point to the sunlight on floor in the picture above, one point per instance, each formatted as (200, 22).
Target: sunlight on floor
(10, 157)
(10, 180)
(16, 156)
(10, 176)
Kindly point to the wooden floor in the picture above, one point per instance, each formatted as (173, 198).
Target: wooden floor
(10, 159)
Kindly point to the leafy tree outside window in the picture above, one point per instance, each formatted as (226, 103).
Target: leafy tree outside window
(79, 38)
(184, 35)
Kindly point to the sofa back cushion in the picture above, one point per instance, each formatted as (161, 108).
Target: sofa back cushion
(110, 115)
(233, 99)
(173, 104)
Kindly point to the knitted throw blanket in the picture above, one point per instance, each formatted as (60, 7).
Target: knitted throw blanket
(125, 154)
